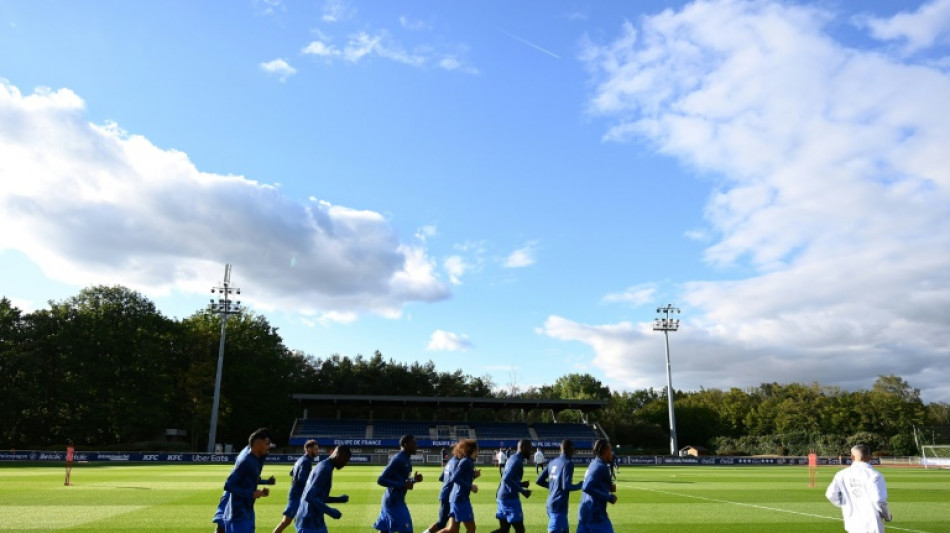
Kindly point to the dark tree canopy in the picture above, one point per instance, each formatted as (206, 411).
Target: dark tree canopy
(106, 368)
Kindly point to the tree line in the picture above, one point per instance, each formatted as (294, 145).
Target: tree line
(106, 369)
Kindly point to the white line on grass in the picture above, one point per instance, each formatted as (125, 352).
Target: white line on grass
(763, 507)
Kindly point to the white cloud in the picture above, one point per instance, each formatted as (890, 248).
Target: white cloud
(445, 341)
(427, 232)
(415, 25)
(280, 68)
(269, 7)
(926, 27)
(337, 11)
(455, 267)
(521, 257)
(101, 206)
(381, 45)
(833, 188)
(321, 49)
(454, 63)
(337, 317)
(636, 295)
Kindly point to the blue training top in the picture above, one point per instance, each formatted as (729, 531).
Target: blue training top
(316, 496)
(446, 478)
(596, 489)
(462, 479)
(299, 476)
(510, 486)
(558, 477)
(240, 485)
(394, 477)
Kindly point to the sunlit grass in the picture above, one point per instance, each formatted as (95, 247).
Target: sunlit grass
(176, 498)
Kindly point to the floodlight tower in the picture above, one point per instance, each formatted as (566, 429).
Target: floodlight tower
(666, 325)
(224, 307)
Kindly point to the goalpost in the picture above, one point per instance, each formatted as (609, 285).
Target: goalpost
(935, 455)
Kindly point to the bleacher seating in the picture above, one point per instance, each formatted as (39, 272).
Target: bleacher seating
(565, 431)
(393, 429)
(331, 428)
(501, 430)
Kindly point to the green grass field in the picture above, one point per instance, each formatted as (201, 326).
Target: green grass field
(651, 499)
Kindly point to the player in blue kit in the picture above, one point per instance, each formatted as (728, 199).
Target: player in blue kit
(558, 478)
(398, 479)
(508, 496)
(298, 480)
(316, 494)
(218, 518)
(448, 468)
(598, 491)
(241, 485)
(463, 481)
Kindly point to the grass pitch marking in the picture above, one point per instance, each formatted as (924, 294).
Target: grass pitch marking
(762, 507)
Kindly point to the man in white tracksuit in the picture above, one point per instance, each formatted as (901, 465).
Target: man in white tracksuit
(860, 492)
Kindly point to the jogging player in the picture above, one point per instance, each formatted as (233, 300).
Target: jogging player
(558, 477)
(398, 479)
(298, 480)
(598, 492)
(448, 468)
(316, 494)
(509, 512)
(241, 485)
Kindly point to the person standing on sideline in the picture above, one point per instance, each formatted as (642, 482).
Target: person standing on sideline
(398, 479)
(463, 481)
(558, 478)
(615, 465)
(539, 461)
(316, 494)
(598, 491)
(444, 453)
(241, 485)
(298, 480)
(70, 454)
(445, 477)
(861, 493)
(502, 459)
(509, 512)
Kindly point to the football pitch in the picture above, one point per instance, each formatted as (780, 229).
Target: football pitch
(680, 499)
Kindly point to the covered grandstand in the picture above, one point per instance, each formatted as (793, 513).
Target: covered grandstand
(437, 423)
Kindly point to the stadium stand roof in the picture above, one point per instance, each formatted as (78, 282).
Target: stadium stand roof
(585, 406)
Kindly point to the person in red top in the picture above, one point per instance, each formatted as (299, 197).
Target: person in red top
(70, 452)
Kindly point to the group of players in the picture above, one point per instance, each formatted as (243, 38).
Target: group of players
(309, 496)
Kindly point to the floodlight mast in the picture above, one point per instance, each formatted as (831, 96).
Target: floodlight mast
(666, 325)
(224, 307)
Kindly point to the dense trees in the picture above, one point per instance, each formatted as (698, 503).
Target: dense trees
(105, 367)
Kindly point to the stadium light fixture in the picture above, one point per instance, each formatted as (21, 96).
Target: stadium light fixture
(225, 307)
(666, 325)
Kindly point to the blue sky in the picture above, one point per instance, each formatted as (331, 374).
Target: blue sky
(509, 188)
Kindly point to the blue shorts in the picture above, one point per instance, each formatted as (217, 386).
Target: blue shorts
(444, 510)
(219, 512)
(244, 526)
(292, 506)
(557, 523)
(316, 530)
(595, 527)
(463, 512)
(510, 511)
(394, 520)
